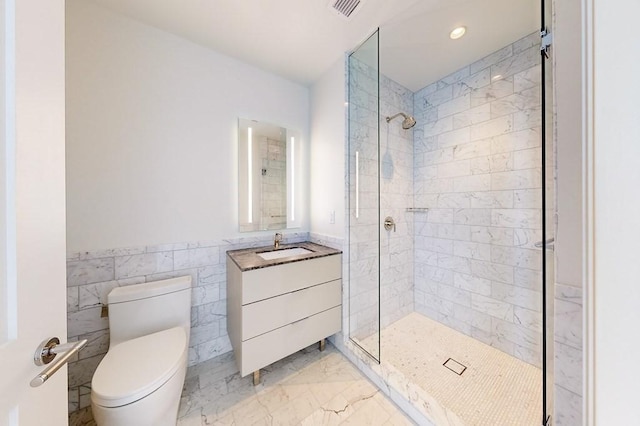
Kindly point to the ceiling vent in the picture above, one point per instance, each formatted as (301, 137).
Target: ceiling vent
(345, 8)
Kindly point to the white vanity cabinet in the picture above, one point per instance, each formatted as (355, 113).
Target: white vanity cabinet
(276, 310)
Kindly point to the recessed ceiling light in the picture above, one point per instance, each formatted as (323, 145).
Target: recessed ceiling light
(457, 33)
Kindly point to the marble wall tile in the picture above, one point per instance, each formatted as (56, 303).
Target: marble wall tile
(143, 264)
(472, 284)
(515, 103)
(516, 333)
(528, 278)
(81, 372)
(73, 299)
(84, 321)
(455, 105)
(492, 199)
(525, 59)
(495, 127)
(472, 116)
(496, 90)
(472, 183)
(472, 150)
(196, 257)
(517, 179)
(527, 238)
(90, 271)
(527, 79)
(528, 318)
(479, 175)
(517, 296)
(522, 258)
(492, 307)
(568, 324)
(567, 407)
(492, 235)
(466, 85)
(516, 218)
(97, 344)
(480, 217)
(92, 295)
(568, 293)
(527, 198)
(492, 271)
(568, 367)
(453, 169)
(454, 137)
(491, 59)
(517, 140)
(455, 263)
(472, 250)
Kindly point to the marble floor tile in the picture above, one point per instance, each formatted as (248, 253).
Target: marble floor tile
(307, 388)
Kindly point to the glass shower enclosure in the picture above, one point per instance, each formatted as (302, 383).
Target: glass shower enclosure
(451, 221)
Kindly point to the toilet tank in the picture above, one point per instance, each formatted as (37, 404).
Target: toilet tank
(142, 309)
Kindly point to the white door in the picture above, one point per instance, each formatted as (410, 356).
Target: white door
(32, 216)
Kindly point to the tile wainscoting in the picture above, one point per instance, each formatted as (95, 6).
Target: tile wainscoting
(92, 275)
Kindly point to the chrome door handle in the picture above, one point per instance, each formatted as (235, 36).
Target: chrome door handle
(47, 351)
(546, 243)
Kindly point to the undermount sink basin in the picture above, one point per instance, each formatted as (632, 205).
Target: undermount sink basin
(279, 254)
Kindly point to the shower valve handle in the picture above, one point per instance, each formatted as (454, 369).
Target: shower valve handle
(389, 223)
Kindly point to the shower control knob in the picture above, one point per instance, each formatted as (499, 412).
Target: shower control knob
(389, 223)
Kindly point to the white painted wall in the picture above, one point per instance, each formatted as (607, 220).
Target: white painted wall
(328, 152)
(616, 205)
(151, 132)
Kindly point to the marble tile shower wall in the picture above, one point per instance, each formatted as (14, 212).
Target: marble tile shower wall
(390, 172)
(91, 275)
(477, 169)
(396, 194)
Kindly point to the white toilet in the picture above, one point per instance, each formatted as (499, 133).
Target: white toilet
(140, 379)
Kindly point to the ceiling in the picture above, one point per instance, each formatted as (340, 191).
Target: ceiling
(301, 39)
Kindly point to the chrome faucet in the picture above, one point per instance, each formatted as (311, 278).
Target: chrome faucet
(276, 240)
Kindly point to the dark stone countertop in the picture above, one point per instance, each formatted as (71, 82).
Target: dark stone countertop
(248, 259)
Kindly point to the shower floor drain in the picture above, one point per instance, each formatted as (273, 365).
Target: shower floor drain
(455, 366)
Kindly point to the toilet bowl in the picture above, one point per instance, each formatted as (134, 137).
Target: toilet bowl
(140, 379)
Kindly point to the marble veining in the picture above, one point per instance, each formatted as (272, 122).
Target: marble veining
(307, 388)
(248, 259)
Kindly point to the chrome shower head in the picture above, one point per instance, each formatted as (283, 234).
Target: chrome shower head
(408, 121)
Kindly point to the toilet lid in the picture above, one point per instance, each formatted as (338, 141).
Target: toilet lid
(135, 368)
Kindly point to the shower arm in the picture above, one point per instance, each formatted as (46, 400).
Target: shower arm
(394, 116)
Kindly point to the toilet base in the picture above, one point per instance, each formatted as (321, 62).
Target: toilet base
(160, 408)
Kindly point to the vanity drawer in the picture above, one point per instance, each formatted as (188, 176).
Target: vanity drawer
(277, 344)
(259, 284)
(266, 315)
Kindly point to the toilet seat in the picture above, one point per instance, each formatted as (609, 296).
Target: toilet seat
(136, 368)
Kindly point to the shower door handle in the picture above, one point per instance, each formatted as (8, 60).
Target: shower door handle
(546, 243)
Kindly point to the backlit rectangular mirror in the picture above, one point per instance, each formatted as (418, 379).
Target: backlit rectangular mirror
(269, 175)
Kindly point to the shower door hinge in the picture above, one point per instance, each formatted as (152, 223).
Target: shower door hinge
(545, 42)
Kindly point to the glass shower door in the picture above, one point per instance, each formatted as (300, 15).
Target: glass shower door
(364, 197)
(548, 215)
